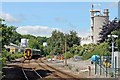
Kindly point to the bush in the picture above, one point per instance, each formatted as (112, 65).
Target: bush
(16, 55)
(3, 60)
(12, 56)
(98, 50)
(6, 55)
(48, 56)
(68, 55)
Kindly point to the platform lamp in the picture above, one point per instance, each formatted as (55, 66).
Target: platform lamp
(113, 46)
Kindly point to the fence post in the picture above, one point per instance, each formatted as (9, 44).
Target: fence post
(95, 67)
(115, 65)
(89, 67)
(106, 68)
(100, 66)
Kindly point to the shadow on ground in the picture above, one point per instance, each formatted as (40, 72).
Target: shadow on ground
(14, 72)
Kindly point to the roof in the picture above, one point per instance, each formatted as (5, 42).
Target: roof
(11, 45)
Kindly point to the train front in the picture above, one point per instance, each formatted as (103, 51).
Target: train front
(27, 53)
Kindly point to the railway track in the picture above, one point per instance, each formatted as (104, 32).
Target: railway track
(31, 73)
(58, 73)
(53, 74)
(41, 71)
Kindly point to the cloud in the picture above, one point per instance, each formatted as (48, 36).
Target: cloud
(46, 31)
(43, 31)
(8, 17)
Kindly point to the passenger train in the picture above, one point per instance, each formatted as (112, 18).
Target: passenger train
(31, 53)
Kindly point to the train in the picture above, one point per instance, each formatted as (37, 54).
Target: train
(31, 53)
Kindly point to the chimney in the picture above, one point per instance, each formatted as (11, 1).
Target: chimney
(106, 12)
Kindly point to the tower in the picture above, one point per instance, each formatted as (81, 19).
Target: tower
(97, 22)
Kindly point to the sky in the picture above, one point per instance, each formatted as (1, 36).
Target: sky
(41, 18)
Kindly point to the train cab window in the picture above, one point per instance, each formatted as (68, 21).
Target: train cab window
(26, 51)
(8, 49)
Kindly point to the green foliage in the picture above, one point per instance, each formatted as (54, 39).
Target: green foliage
(98, 50)
(28, 36)
(72, 39)
(16, 38)
(68, 55)
(6, 33)
(41, 40)
(37, 43)
(56, 43)
(33, 43)
(118, 44)
(7, 56)
(48, 56)
(3, 60)
(82, 50)
(109, 28)
(117, 40)
(16, 55)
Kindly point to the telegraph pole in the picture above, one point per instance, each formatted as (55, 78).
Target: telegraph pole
(65, 52)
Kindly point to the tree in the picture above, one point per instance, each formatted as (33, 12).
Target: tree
(16, 37)
(33, 43)
(117, 41)
(28, 36)
(108, 28)
(56, 42)
(41, 39)
(7, 32)
(73, 39)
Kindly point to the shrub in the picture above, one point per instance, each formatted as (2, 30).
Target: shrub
(16, 55)
(12, 56)
(3, 60)
(68, 55)
(48, 56)
(6, 54)
(98, 50)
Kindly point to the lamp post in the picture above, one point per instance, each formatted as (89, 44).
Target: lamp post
(113, 46)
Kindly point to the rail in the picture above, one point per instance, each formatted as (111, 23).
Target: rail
(26, 76)
(71, 76)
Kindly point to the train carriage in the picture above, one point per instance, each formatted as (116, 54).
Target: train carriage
(36, 53)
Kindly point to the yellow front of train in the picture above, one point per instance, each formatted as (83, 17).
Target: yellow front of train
(27, 53)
